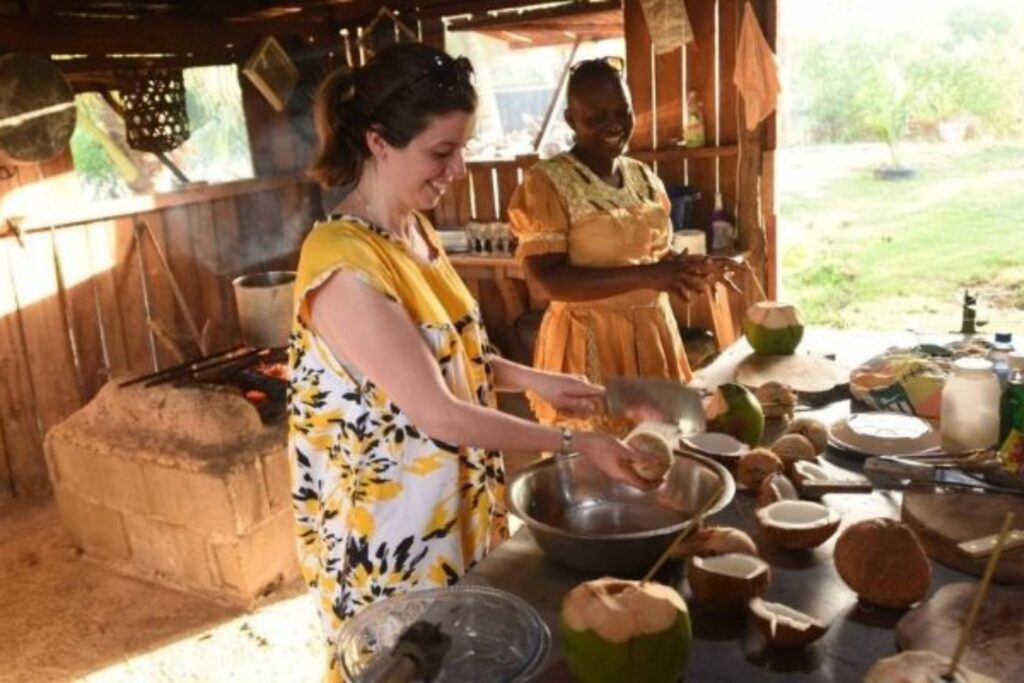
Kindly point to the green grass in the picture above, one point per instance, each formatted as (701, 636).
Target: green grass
(863, 253)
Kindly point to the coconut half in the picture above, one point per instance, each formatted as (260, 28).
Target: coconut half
(656, 445)
(783, 626)
(756, 466)
(726, 583)
(775, 488)
(797, 524)
(920, 666)
(715, 540)
(805, 470)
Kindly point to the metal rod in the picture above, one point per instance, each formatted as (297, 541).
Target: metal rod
(191, 365)
(222, 365)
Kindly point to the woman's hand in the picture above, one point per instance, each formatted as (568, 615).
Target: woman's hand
(570, 395)
(682, 273)
(722, 269)
(614, 458)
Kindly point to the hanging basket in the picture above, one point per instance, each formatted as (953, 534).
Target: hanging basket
(155, 116)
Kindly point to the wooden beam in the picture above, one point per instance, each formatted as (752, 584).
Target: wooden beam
(152, 35)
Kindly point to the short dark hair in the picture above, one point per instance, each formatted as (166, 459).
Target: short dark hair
(593, 70)
(396, 93)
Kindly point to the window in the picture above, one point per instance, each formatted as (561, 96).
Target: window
(217, 149)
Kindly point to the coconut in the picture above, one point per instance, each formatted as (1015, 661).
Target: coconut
(793, 447)
(883, 562)
(617, 630)
(715, 540)
(805, 470)
(733, 410)
(783, 626)
(813, 430)
(920, 666)
(797, 524)
(656, 445)
(774, 488)
(756, 466)
(773, 328)
(726, 583)
(776, 399)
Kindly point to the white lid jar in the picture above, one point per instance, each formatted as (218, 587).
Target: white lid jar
(970, 406)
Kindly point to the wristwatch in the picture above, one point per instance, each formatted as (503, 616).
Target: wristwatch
(567, 435)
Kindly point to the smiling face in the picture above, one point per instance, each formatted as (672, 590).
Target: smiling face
(422, 171)
(601, 115)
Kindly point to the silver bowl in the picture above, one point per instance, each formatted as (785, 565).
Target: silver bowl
(581, 518)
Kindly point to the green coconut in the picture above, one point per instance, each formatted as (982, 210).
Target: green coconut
(616, 630)
(773, 328)
(734, 410)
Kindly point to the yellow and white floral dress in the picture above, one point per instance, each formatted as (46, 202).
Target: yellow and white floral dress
(563, 207)
(380, 507)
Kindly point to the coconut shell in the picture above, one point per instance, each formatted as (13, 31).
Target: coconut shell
(797, 536)
(774, 488)
(655, 445)
(883, 562)
(717, 540)
(727, 593)
(793, 447)
(813, 430)
(808, 470)
(755, 466)
(776, 399)
(784, 627)
(920, 666)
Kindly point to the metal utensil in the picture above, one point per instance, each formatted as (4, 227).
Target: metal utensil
(657, 400)
(896, 472)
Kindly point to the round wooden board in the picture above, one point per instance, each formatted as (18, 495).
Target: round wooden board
(942, 520)
(809, 374)
(996, 646)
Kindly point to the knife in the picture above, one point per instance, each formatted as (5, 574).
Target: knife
(901, 473)
(657, 400)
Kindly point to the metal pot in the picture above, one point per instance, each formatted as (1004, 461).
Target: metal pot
(581, 518)
(265, 307)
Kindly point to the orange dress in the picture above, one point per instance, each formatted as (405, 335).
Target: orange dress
(564, 207)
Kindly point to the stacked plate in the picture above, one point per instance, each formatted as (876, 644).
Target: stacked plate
(883, 433)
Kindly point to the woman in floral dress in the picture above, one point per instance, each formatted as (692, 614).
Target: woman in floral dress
(398, 481)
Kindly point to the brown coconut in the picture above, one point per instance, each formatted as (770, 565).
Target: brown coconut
(920, 666)
(793, 447)
(784, 627)
(883, 562)
(655, 445)
(807, 470)
(776, 399)
(774, 488)
(716, 540)
(797, 524)
(726, 583)
(813, 430)
(755, 466)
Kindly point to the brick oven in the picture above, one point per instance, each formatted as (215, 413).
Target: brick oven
(183, 485)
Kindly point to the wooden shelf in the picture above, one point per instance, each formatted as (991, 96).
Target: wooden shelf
(676, 153)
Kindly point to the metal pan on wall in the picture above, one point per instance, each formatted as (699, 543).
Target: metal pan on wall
(37, 109)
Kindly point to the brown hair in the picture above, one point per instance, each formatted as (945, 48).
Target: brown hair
(396, 93)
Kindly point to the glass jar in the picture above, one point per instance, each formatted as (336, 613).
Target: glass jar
(970, 406)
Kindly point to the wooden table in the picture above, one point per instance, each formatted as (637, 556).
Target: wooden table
(730, 650)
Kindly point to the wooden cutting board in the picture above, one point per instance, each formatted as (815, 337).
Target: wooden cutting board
(942, 520)
(996, 646)
(808, 374)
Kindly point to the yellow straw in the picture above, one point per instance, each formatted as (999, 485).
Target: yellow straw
(687, 530)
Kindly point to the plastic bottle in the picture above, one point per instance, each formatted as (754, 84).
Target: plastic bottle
(999, 354)
(693, 132)
(723, 233)
(970, 407)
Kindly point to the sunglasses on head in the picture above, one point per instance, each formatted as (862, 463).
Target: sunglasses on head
(447, 73)
(617, 64)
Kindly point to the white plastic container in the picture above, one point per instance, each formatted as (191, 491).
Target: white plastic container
(970, 406)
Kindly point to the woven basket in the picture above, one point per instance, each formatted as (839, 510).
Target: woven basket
(155, 116)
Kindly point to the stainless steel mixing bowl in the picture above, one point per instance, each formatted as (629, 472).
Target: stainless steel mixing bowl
(582, 519)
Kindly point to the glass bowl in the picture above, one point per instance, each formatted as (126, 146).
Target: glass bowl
(496, 636)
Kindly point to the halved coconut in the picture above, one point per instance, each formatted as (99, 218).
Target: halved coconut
(792, 448)
(805, 470)
(814, 430)
(726, 583)
(775, 488)
(755, 466)
(715, 540)
(920, 666)
(656, 445)
(785, 627)
(797, 524)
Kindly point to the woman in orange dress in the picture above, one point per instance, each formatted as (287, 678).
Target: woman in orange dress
(594, 236)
